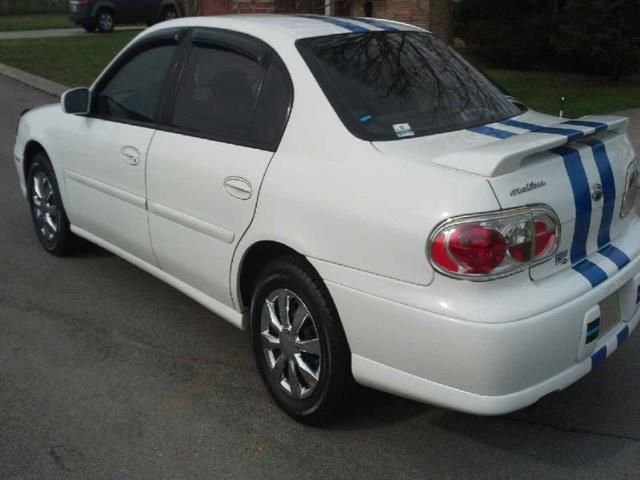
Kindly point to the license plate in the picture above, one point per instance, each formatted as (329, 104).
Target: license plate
(74, 7)
(609, 313)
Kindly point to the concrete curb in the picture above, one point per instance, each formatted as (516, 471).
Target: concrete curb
(33, 81)
(58, 33)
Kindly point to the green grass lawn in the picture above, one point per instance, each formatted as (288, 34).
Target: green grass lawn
(76, 61)
(9, 23)
(73, 61)
(584, 95)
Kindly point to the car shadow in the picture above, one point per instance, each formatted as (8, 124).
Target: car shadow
(542, 432)
(368, 408)
(87, 249)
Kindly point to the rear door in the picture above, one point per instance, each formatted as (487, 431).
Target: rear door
(143, 10)
(207, 161)
(125, 10)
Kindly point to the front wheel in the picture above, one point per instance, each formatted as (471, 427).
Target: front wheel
(48, 214)
(298, 341)
(106, 21)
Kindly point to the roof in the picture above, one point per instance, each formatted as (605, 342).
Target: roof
(294, 26)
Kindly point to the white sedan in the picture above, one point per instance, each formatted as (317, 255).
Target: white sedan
(357, 196)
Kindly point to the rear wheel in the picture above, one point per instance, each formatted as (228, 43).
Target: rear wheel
(298, 342)
(168, 13)
(106, 21)
(48, 214)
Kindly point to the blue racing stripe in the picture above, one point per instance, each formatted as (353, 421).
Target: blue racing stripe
(600, 127)
(571, 134)
(378, 23)
(598, 357)
(592, 272)
(623, 334)
(616, 255)
(492, 132)
(582, 201)
(351, 26)
(608, 190)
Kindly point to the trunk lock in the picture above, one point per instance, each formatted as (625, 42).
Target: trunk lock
(596, 192)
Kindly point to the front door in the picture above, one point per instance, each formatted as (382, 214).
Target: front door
(106, 161)
(206, 164)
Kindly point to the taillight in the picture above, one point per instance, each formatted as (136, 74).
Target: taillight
(493, 245)
(631, 189)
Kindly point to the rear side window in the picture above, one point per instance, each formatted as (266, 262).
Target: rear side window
(390, 85)
(273, 106)
(133, 92)
(217, 95)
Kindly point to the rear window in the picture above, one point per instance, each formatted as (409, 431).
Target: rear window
(390, 85)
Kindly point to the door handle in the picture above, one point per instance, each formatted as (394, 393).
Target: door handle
(238, 187)
(131, 155)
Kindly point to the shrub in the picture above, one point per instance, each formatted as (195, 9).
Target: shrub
(599, 36)
(506, 33)
(591, 36)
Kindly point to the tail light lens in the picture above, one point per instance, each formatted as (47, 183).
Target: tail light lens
(493, 245)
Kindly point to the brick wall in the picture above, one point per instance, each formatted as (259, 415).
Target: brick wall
(433, 15)
(410, 11)
(415, 12)
(253, 6)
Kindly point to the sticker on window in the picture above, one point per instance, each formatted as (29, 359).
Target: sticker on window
(403, 130)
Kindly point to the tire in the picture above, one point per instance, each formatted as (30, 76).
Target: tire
(306, 364)
(168, 13)
(47, 211)
(105, 21)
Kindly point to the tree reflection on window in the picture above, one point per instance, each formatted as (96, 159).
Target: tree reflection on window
(388, 78)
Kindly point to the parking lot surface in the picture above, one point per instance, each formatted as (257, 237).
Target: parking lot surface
(108, 373)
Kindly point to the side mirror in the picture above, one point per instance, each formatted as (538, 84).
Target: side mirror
(77, 101)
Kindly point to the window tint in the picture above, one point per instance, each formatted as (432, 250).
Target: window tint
(217, 94)
(386, 85)
(132, 94)
(273, 105)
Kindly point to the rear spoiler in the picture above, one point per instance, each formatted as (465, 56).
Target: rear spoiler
(505, 156)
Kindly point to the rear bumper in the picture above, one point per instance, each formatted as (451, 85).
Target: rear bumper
(461, 357)
(393, 380)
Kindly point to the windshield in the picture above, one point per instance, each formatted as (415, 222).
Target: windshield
(390, 85)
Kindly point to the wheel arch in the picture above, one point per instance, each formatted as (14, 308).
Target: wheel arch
(31, 149)
(170, 4)
(104, 5)
(253, 261)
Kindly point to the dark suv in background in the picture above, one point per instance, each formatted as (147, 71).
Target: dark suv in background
(104, 14)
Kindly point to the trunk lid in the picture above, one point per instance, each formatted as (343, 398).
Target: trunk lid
(577, 167)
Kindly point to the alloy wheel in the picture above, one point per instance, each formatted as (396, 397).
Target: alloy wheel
(44, 207)
(290, 343)
(105, 21)
(170, 14)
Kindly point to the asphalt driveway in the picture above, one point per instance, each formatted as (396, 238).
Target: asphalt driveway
(107, 373)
